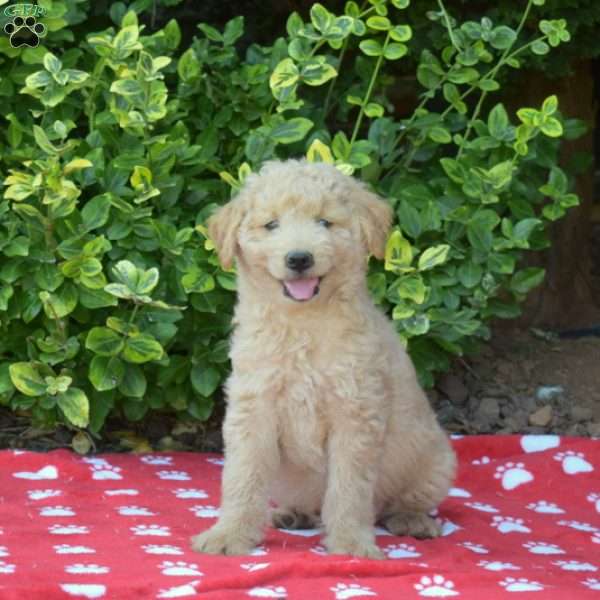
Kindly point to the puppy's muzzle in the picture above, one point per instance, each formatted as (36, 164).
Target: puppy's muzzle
(299, 260)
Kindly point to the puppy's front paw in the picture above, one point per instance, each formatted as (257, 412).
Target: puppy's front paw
(222, 540)
(356, 545)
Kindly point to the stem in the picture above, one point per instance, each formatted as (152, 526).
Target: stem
(133, 314)
(369, 91)
(471, 122)
(333, 81)
(448, 25)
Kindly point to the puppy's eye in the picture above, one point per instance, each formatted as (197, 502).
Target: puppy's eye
(325, 223)
(272, 225)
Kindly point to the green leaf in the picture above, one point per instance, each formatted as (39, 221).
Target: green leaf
(498, 122)
(104, 341)
(551, 127)
(434, 256)
(26, 379)
(147, 281)
(284, 75)
(440, 135)
(371, 47)
(142, 348)
(134, 382)
(379, 23)
(411, 287)
(317, 72)
(292, 130)
(540, 48)
(398, 251)
(401, 33)
(320, 17)
(188, 66)
(96, 212)
(525, 280)
(106, 372)
(127, 87)
(75, 406)
(502, 37)
(42, 140)
(205, 380)
(394, 51)
(469, 274)
(51, 63)
(60, 303)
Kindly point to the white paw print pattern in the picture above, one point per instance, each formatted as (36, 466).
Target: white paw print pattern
(592, 583)
(72, 549)
(135, 511)
(594, 498)
(478, 462)
(448, 527)
(205, 511)
(68, 529)
(179, 567)
(87, 590)
(162, 549)
(401, 551)
(476, 548)
(510, 584)
(43, 494)
(574, 565)
(319, 550)
(596, 539)
(436, 586)
(496, 565)
(216, 461)
(509, 525)
(47, 472)
(543, 548)
(343, 591)
(481, 506)
(123, 492)
(7, 568)
(179, 591)
(573, 462)
(269, 591)
(173, 475)
(190, 493)
(544, 507)
(259, 551)
(458, 493)
(539, 443)
(105, 472)
(86, 569)
(251, 567)
(4, 552)
(512, 475)
(151, 459)
(56, 511)
(157, 530)
(579, 526)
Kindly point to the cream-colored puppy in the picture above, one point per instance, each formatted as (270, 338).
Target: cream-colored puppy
(325, 415)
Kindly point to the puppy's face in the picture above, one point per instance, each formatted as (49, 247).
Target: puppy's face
(301, 231)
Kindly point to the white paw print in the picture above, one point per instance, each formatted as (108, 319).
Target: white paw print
(488, 508)
(70, 549)
(135, 511)
(473, 547)
(187, 493)
(592, 583)
(173, 475)
(251, 567)
(579, 526)
(87, 590)
(88, 569)
(549, 508)
(179, 567)
(448, 527)
(458, 493)
(56, 511)
(216, 461)
(343, 591)
(268, 591)
(187, 589)
(157, 460)
(161, 549)
(543, 548)
(6, 568)
(43, 494)
(206, 512)
(401, 551)
(4, 551)
(512, 475)
(595, 500)
(496, 565)
(510, 584)
(160, 530)
(68, 529)
(573, 462)
(435, 587)
(319, 550)
(123, 492)
(259, 551)
(105, 471)
(509, 525)
(574, 565)
(484, 460)
(596, 539)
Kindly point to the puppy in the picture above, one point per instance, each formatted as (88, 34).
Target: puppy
(325, 415)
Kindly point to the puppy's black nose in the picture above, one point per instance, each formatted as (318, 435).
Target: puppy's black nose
(299, 260)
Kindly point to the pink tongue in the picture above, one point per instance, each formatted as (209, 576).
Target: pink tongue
(302, 289)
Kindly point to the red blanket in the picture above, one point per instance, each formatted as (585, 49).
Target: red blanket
(523, 517)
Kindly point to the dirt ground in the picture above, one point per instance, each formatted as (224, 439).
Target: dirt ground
(521, 382)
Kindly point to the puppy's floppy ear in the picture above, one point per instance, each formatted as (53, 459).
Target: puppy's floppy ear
(223, 227)
(375, 217)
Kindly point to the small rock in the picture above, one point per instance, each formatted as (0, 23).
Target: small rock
(453, 387)
(488, 411)
(593, 429)
(542, 417)
(581, 413)
(547, 392)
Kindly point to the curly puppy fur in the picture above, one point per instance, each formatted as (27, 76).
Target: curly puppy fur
(325, 415)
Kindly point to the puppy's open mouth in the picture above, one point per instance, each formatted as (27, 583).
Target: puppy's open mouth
(302, 290)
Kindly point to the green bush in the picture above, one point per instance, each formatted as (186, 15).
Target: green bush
(118, 146)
